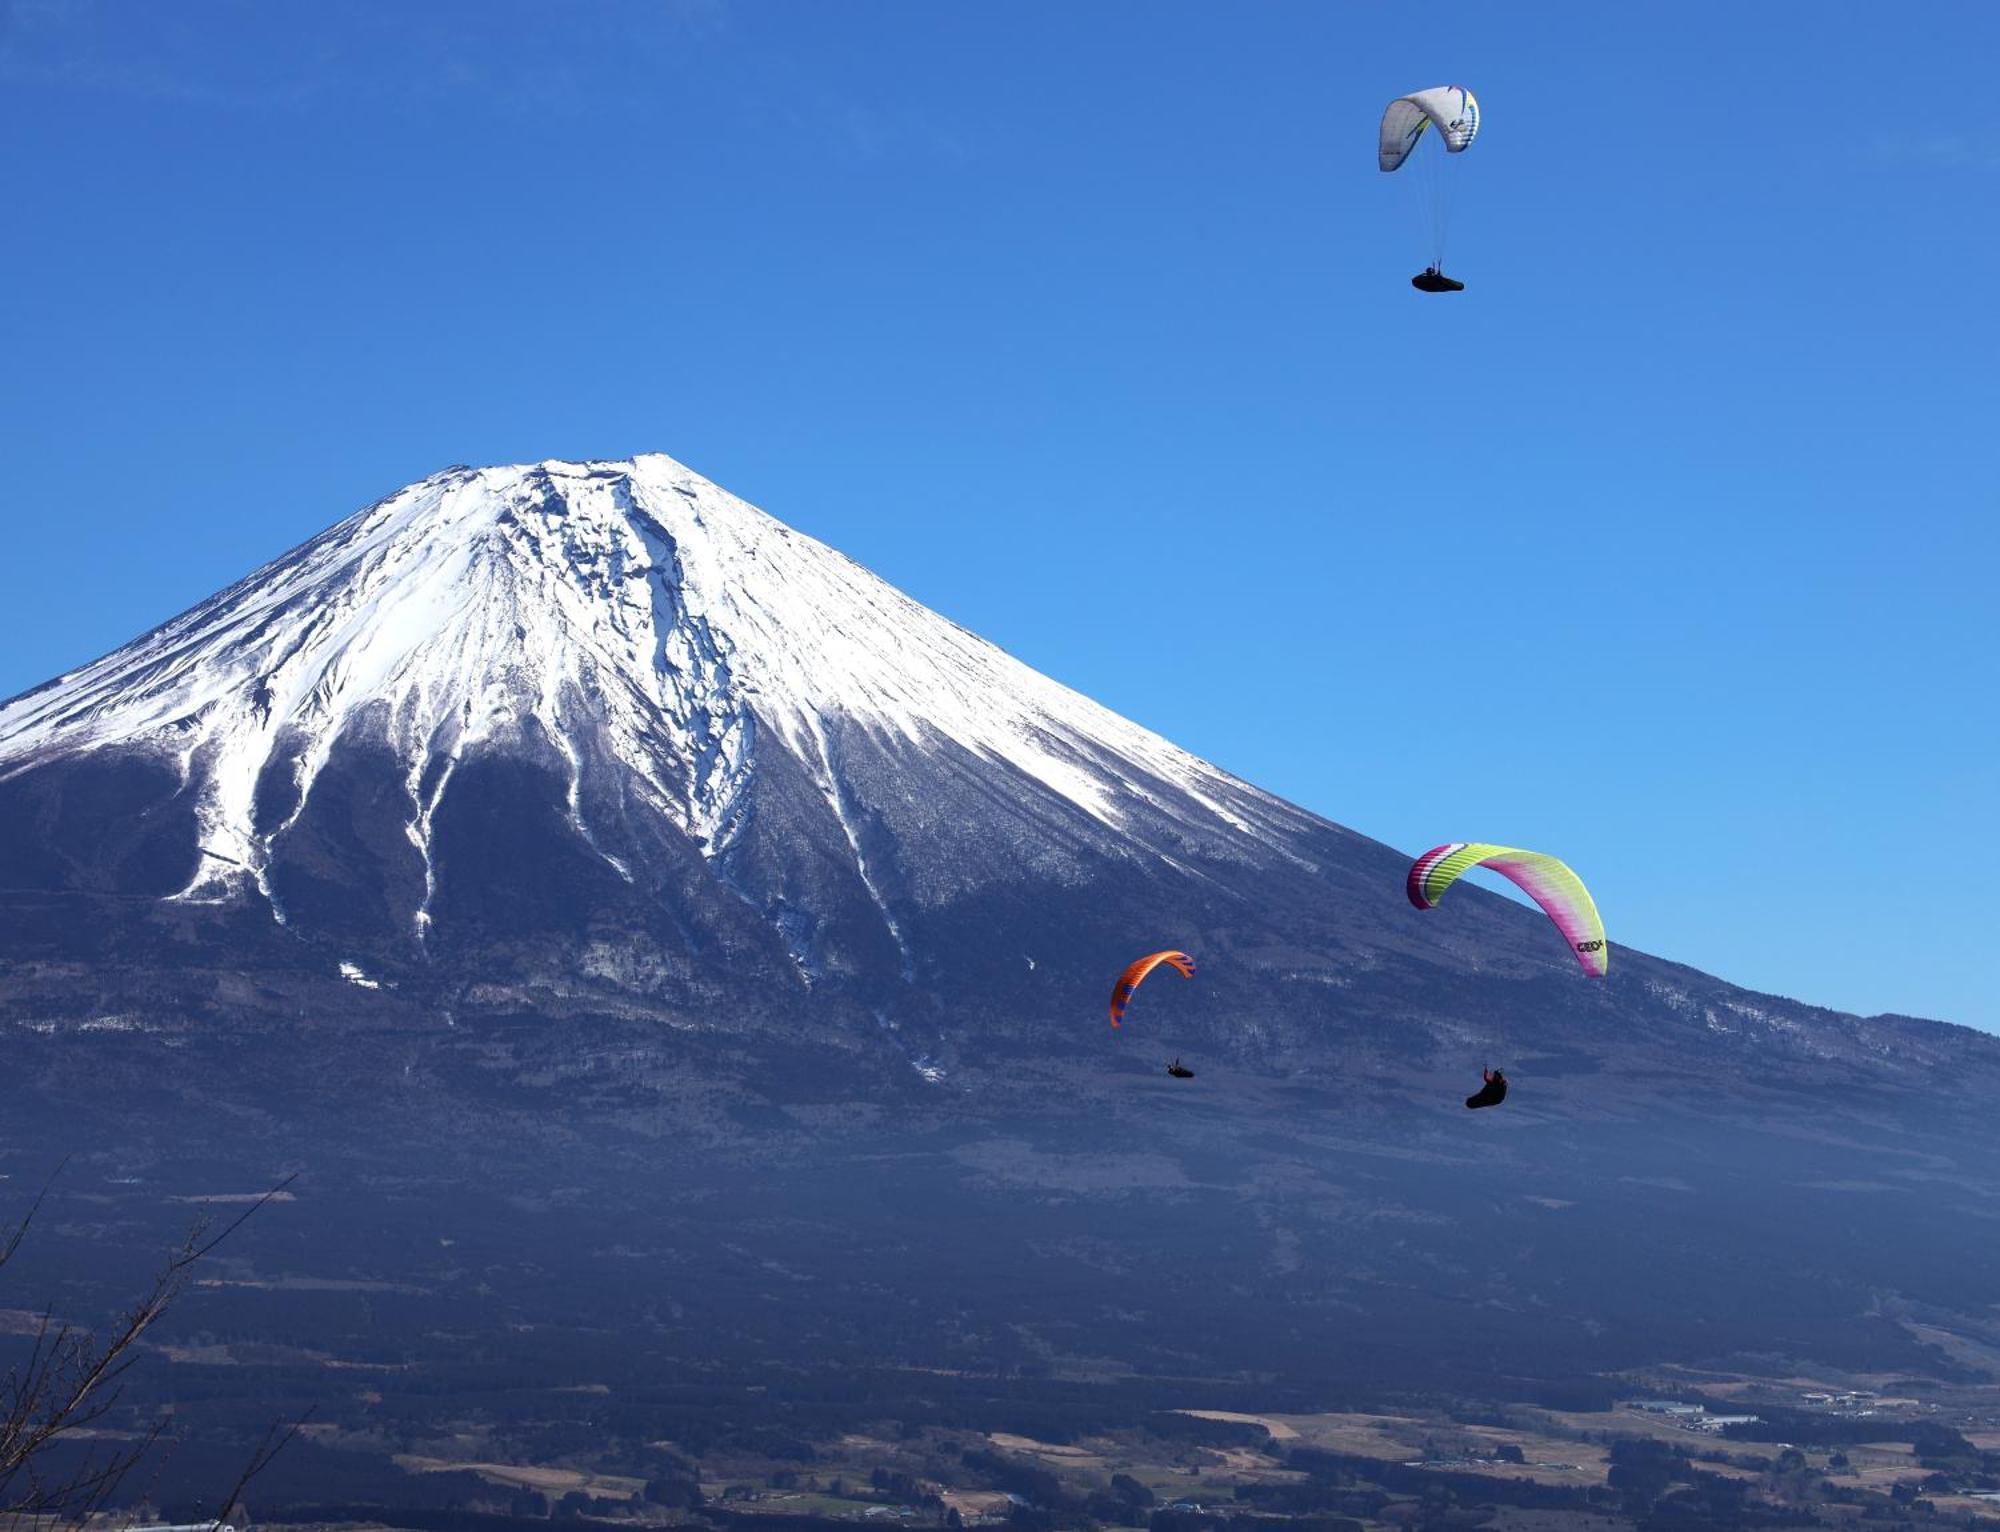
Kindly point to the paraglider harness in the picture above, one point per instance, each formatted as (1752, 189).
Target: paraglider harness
(1431, 280)
(1180, 1071)
(1492, 1093)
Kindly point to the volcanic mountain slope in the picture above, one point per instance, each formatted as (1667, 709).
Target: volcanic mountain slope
(549, 826)
(503, 703)
(508, 720)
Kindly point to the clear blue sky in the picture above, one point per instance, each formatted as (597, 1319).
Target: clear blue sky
(1670, 546)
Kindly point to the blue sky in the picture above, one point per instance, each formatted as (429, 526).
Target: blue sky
(1669, 546)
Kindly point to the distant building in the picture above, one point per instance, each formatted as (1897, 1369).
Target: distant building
(1689, 1417)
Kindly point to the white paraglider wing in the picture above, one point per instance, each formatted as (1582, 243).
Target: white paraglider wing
(1451, 109)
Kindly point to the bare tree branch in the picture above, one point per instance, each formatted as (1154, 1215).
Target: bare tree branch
(276, 1440)
(20, 1230)
(72, 1378)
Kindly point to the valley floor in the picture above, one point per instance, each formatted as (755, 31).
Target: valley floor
(1734, 1452)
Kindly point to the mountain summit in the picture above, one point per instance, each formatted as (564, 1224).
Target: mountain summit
(629, 617)
(687, 677)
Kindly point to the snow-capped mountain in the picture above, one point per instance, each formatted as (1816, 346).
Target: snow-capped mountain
(631, 616)
(605, 723)
(666, 655)
(538, 827)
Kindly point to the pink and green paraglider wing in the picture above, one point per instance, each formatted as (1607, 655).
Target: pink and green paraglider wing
(1545, 879)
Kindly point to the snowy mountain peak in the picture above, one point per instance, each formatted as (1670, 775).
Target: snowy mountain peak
(632, 618)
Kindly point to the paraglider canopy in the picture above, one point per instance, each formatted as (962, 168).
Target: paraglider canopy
(1135, 975)
(1451, 109)
(1545, 879)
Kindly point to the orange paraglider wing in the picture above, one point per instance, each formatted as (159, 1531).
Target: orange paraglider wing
(1133, 977)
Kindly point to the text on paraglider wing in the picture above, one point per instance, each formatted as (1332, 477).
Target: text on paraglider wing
(1589, 946)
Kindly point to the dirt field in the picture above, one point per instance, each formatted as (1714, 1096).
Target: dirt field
(1279, 1430)
(1552, 1458)
(1055, 1456)
(552, 1481)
